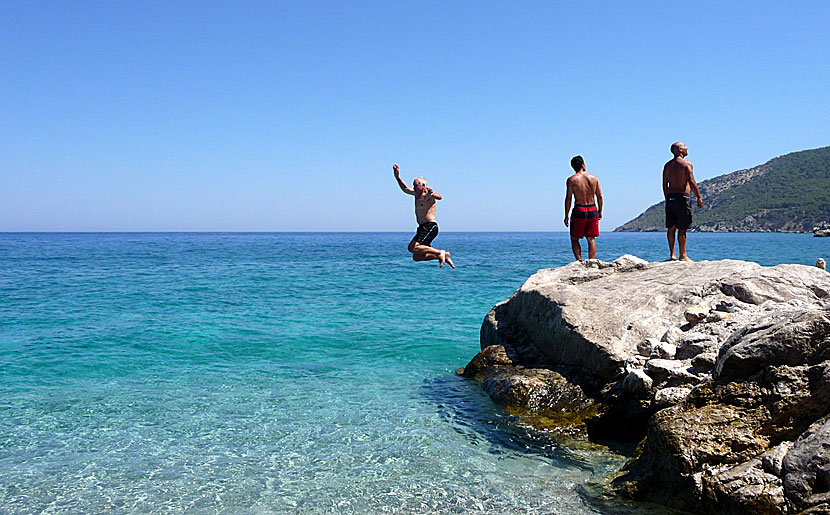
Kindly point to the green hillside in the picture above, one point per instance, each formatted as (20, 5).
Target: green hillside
(790, 193)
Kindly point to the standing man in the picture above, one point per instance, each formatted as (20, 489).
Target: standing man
(585, 217)
(678, 181)
(425, 216)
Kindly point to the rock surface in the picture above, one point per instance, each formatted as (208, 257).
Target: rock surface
(723, 366)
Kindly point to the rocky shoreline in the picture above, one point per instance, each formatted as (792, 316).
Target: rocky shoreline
(720, 370)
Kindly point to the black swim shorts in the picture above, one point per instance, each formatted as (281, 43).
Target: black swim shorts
(427, 232)
(678, 210)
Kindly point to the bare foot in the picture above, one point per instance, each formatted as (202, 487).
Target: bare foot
(442, 258)
(672, 258)
(686, 258)
(450, 261)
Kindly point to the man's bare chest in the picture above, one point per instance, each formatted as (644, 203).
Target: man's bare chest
(424, 204)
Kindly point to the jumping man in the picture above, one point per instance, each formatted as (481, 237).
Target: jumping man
(585, 223)
(425, 216)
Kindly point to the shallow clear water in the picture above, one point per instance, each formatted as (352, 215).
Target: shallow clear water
(282, 372)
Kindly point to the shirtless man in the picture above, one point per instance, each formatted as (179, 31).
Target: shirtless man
(425, 215)
(586, 216)
(678, 181)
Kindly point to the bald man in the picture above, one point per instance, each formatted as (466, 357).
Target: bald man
(678, 182)
(427, 230)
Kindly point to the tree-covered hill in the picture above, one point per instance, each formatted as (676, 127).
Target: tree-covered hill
(790, 193)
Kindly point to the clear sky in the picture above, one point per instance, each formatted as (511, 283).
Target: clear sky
(288, 116)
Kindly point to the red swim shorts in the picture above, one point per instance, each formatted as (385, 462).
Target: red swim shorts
(584, 221)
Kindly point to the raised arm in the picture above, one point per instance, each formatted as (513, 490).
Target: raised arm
(568, 193)
(693, 184)
(406, 189)
(433, 194)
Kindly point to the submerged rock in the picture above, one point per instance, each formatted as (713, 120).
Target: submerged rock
(722, 366)
(538, 396)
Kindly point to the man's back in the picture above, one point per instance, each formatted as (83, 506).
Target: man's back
(584, 187)
(676, 176)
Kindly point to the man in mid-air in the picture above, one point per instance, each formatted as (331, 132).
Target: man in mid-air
(678, 181)
(584, 221)
(425, 216)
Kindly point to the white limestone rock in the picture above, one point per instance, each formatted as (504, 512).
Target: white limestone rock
(672, 335)
(592, 315)
(695, 314)
(663, 350)
(645, 347)
(638, 383)
(669, 370)
(635, 362)
(705, 361)
(691, 344)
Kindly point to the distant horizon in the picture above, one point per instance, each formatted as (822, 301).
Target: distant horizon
(386, 232)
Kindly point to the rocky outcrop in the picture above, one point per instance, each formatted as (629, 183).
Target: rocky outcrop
(751, 438)
(723, 366)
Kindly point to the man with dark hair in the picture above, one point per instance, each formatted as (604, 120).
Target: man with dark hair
(584, 187)
(678, 181)
(425, 215)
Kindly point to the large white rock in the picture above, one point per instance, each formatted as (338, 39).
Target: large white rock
(592, 315)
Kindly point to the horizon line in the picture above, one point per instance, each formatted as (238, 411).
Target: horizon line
(381, 232)
(258, 232)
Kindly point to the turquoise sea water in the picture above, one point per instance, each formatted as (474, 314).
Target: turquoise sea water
(300, 373)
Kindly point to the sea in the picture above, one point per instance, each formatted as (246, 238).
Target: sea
(285, 373)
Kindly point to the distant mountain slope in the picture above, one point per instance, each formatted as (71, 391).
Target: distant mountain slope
(790, 193)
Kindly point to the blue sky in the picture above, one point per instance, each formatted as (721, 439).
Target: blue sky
(287, 116)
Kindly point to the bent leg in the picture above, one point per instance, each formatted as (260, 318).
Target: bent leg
(440, 255)
(425, 249)
(425, 253)
(421, 252)
(592, 247)
(670, 235)
(576, 249)
(414, 246)
(422, 256)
